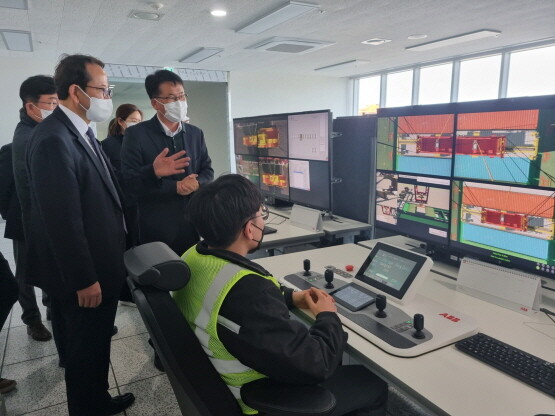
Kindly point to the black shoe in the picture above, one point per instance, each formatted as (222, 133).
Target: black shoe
(117, 404)
(114, 330)
(158, 363)
(39, 332)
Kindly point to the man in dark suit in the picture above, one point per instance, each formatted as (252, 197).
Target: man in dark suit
(162, 202)
(38, 97)
(8, 296)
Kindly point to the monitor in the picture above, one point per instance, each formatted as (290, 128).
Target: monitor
(272, 136)
(309, 135)
(247, 166)
(513, 146)
(394, 271)
(417, 206)
(513, 226)
(419, 144)
(309, 183)
(274, 177)
(245, 135)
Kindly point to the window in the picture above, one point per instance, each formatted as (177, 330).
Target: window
(399, 89)
(369, 95)
(435, 84)
(479, 78)
(532, 72)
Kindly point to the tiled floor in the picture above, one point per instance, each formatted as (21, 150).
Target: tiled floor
(40, 382)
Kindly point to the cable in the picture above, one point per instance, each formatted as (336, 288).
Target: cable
(548, 313)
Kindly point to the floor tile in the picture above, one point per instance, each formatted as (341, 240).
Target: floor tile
(129, 322)
(21, 347)
(154, 396)
(3, 335)
(17, 311)
(40, 384)
(132, 359)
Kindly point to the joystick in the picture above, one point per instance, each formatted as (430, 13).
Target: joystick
(306, 266)
(381, 303)
(328, 275)
(418, 324)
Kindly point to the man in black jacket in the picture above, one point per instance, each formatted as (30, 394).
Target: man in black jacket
(8, 296)
(240, 313)
(162, 202)
(38, 97)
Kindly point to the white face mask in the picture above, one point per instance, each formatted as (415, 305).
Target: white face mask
(43, 113)
(99, 110)
(130, 123)
(175, 111)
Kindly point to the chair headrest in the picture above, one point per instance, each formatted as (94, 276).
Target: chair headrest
(156, 265)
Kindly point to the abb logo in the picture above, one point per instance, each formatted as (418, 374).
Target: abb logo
(450, 317)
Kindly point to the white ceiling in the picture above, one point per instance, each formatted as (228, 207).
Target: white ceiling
(102, 28)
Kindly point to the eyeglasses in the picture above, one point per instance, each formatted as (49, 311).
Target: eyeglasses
(106, 92)
(53, 104)
(265, 214)
(173, 98)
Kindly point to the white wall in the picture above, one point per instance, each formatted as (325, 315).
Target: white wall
(13, 71)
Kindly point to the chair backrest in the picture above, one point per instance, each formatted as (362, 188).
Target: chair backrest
(197, 385)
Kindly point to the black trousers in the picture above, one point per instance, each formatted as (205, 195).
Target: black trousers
(27, 298)
(8, 290)
(83, 337)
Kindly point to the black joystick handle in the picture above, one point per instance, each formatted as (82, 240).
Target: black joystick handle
(418, 324)
(306, 266)
(328, 275)
(381, 303)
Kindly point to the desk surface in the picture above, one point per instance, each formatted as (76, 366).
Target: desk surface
(287, 234)
(447, 381)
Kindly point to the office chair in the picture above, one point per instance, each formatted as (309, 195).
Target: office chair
(154, 270)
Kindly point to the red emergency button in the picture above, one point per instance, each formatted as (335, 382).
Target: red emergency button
(349, 267)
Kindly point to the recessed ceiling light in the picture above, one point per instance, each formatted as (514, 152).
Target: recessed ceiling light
(16, 40)
(415, 37)
(454, 40)
(375, 41)
(143, 15)
(218, 13)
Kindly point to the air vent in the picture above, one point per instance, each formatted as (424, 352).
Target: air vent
(288, 45)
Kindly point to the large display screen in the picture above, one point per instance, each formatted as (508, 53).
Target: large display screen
(309, 183)
(247, 166)
(413, 205)
(274, 177)
(309, 136)
(507, 225)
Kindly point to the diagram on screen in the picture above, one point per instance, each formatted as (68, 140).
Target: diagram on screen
(418, 200)
(417, 144)
(309, 136)
(508, 219)
(274, 175)
(299, 174)
(507, 146)
(247, 166)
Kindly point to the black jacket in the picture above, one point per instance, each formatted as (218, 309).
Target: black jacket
(9, 204)
(77, 234)
(161, 209)
(269, 341)
(112, 147)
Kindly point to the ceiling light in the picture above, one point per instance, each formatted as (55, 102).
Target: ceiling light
(139, 14)
(291, 10)
(416, 37)
(17, 41)
(218, 13)
(354, 64)
(14, 4)
(454, 40)
(200, 55)
(375, 41)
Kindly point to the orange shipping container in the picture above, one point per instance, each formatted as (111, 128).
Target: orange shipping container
(513, 120)
(439, 124)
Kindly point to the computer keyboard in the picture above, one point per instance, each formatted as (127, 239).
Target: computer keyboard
(528, 368)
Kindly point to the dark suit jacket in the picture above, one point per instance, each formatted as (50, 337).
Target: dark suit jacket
(76, 236)
(9, 204)
(21, 137)
(112, 147)
(161, 208)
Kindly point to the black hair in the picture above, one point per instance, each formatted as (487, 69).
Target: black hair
(33, 87)
(72, 69)
(220, 209)
(153, 81)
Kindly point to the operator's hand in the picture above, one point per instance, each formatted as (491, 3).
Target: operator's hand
(90, 297)
(188, 184)
(319, 301)
(170, 165)
(298, 299)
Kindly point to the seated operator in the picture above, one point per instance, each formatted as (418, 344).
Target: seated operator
(240, 313)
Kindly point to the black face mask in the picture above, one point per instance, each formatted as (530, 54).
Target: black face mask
(252, 250)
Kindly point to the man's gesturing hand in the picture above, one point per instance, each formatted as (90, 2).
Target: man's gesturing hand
(170, 165)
